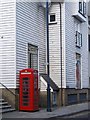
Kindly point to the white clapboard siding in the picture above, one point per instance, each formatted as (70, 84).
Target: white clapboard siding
(7, 43)
(84, 53)
(71, 49)
(30, 27)
(54, 46)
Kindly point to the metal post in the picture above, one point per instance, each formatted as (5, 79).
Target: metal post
(48, 83)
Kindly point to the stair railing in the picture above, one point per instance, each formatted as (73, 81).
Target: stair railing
(8, 89)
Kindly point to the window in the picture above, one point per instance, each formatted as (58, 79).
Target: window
(78, 35)
(52, 18)
(54, 98)
(78, 39)
(32, 56)
(78, 71)
(82, 8)
(89, 82)
(89, 42)
(89, 22)
(72, 98)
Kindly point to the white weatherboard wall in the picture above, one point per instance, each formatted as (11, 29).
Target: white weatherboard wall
(54, 46)
(30, 27)
(71, 49)
(20, 23)
(7, 43)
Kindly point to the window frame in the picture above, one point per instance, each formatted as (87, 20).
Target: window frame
(32, 50)
(78, 41)
(82, 8)
(89, 43)
(55, 18)
(54, 98)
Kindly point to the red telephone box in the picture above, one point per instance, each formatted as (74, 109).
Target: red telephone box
(28, 100)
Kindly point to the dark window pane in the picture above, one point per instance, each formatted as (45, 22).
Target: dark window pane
(25, 78)
(72, 98)
(52, 18)
(84, 8)
(25, 104)
(82, 96)
(89, 42)
(80, 6)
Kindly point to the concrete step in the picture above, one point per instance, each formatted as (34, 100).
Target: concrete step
(5, 106)
(1, 100)
(8, 110)
(3, 103)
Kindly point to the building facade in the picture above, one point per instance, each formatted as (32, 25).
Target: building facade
(23, 45)
(68, 42)
(22, 42)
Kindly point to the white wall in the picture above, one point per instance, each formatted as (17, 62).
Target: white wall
(30, 27)
(71, 48)
(7, 43)
(54, 46)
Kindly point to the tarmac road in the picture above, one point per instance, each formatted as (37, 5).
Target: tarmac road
(79, 116)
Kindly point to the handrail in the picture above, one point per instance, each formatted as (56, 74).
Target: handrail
(8, 89)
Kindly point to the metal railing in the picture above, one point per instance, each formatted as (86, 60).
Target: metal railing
(8, 89)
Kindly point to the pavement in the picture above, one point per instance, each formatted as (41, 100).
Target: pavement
(42, 113)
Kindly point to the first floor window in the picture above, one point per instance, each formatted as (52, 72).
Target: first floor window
(89, 42)
(78, 39)
(32, 56)
(78, 71)
(89, 82)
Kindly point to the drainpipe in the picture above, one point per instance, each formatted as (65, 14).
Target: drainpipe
(61, 53)
(48, 82)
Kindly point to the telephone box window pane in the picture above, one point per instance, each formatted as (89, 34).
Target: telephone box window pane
(52, 18)
(26, 78)
(25, 104)
(25, 93)
(25, 96)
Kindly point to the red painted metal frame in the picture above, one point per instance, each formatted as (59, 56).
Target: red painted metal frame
(31, 89)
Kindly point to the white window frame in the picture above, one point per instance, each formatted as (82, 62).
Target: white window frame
(33, 53)
(55, 18)
(82, 8)
(78, 39)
